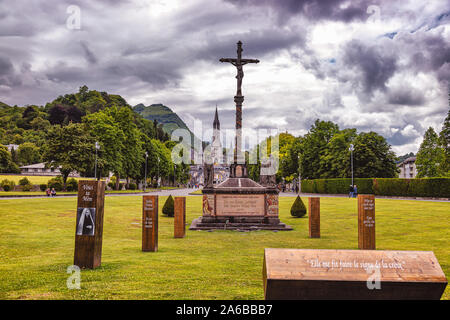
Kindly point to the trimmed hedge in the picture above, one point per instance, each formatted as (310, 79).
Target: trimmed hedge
(56, 183)
(337, 186)
(7, 185)
(425, 187)
(298, 208)
(169, 207)
(72, 184)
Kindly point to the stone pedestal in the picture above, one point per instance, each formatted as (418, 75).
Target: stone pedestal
(239, 204)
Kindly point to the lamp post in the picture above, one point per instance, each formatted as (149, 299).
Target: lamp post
(97, 146)
(351, 157)
(299, 176)
(157, 177)
(174, 173)
(145, 178)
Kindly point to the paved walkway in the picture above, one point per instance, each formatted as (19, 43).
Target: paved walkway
(186, 192)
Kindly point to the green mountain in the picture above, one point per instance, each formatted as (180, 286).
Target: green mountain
(169, 119)
(3, 105)
(162, 114)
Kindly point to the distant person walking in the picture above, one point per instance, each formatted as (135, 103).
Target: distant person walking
(350, 192)
(355, 191)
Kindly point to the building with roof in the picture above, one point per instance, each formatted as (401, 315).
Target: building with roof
(39, 169)
(407, 168)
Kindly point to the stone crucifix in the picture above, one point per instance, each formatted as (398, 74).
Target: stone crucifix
(238, 98)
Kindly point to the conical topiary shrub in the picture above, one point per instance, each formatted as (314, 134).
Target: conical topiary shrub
(298, 209)
(168, 208)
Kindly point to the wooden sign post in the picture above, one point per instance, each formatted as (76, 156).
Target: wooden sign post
(301, 274)
(89, 224)
(180, 217)
(314, 217)
(150, 223)
(366, 221)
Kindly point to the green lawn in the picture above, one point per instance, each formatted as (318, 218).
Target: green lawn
(40, 193)
(33, 179)
(37, 244)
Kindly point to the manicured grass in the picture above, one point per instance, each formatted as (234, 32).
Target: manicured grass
(33, 193)
(33, 179)
(37, 244)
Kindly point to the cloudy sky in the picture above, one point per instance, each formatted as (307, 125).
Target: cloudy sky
(374, 65)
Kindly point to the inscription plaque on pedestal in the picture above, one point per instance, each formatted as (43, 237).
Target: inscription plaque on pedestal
(301, 274)
(150, 223)
(366, 221)
(240, 204)
(180, 217)
(89, 224)
(314, 217)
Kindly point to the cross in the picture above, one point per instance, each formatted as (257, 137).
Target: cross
(238, 99)
(238, 63)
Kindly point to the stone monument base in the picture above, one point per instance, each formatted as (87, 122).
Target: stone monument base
(238, 223)
(239, 204)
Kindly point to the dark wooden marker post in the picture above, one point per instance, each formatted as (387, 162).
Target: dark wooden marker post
(150, 223)
(180, 217)
(314, 217)
(366, 221)
(89, 224)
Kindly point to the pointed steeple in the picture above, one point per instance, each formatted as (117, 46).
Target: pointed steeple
(216, 123)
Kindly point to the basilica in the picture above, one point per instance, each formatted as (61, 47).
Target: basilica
(216, 154)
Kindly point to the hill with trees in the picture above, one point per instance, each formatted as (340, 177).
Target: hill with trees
(64, 131)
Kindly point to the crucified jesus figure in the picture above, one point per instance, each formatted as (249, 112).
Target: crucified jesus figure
(238, 63)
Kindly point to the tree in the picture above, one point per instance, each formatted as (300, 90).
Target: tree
(314, 146)
(163, 164)
(430, 155)
(28, 153)
(71, 147)
(444, 137)
(373, 157)
(107, 133)
(132, 152)
(335, 160)
(6, 163)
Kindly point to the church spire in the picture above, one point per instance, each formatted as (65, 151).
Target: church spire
(216, 123)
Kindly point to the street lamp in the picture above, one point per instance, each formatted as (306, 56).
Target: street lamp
(174, 173)
(97, 146)
(351, 156)
(299, 176)
(157, 178)
(145, 178)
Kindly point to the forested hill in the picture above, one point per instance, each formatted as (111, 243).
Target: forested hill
(159, 112)
(164, 115)
(64, 132)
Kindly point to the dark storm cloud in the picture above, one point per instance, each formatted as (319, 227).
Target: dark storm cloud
(256, 43)
(88, 54)
(372, 66)
(314, 9)
(406, 96)
(429, 52)
(8, 76)
(399, 138)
